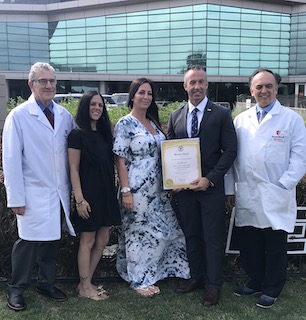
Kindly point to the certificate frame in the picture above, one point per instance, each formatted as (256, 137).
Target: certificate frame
(181, 162)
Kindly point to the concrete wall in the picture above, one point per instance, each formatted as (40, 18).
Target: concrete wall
(3, 100)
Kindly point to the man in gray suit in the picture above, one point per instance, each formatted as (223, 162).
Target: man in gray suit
(202, 208)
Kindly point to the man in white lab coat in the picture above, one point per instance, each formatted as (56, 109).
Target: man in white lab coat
(271, 161)
(36, 176)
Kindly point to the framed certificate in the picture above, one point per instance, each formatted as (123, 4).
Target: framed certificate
(181, 162)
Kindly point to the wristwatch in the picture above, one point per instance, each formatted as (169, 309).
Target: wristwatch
(125, 190)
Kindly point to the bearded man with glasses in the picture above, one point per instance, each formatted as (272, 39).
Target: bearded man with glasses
(35, 165)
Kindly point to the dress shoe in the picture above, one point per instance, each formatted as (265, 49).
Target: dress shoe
(211, 297)
(15, 301)
(246, 291)
(189, 285)
(265, 301)
(53, 293)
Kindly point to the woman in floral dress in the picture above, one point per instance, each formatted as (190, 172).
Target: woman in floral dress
(151, 244)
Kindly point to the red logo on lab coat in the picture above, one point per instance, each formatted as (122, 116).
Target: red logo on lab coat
(278, 132)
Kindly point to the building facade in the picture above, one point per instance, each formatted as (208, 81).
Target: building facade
(104, 45)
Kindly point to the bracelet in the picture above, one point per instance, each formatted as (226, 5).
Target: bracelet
(80, 204)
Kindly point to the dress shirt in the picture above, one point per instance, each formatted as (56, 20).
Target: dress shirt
(201, 108)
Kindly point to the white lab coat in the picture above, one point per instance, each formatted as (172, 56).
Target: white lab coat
(270, 155)
(36, 171)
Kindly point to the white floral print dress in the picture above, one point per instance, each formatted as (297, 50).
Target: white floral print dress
(151, 243)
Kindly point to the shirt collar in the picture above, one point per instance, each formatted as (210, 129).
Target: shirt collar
(201, 106)
(42, 107)
(267, 108)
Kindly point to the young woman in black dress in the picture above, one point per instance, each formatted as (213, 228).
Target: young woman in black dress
(93, 182)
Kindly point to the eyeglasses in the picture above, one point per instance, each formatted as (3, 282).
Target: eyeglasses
(44, 82)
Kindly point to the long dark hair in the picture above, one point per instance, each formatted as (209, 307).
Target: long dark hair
(83, 120)
(152, 112)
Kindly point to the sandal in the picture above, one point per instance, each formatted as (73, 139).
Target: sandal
(145, 292)
(96, 297)
(101, 289)
(154, 289)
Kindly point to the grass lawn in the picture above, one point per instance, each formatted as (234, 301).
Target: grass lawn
(124, 304)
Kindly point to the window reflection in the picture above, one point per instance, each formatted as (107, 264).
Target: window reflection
(233, 39)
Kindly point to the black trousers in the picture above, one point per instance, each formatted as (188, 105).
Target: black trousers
(263, 254)
(24, 255)
(202, 220)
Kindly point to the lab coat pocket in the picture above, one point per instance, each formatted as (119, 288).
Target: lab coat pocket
(277, 148)
(277, 205)
(244, 196)
(37, 204)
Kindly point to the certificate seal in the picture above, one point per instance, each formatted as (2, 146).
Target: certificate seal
(169, 183)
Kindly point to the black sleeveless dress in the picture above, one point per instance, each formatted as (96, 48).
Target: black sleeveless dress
(97, 181)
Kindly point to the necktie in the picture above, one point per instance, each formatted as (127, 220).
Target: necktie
(49, 116)
(194, 122)
(262, 114)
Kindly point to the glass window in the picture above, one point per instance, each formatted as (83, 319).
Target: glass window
(116, 58)
(137, 35)
(4, 59)
(231, 16)
(57, 54)
(114, 29)
(230, 55)
(116, 44)
(116, 36)
(77, 53)
(96, 55)
(78, 23)
(159, 15)
(252, 56)
(159, 57)
(4, 66)
(159, 42)
(178, 56)
(213, 31)
(75, 46)
(181, 48)
(229, 71)
(159, 26)
(229, 63)
(250, 41)
(112, 51)
(137, 43)
(249, 64)
(227, 47)
(213, 23)
(78, 60)
(159, 64)
(39, 46)
(255, 16)
(139, 50)
(95, 22)
(96, 37)
(199, 47)
(95, 30)
(159, 34)
(18, 53)
(211, 55)
(181, 33)
(142, 18)
(75, 31)
(121, 66)
(115, 20)
(181, 17)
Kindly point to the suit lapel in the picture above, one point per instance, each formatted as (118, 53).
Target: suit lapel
(183, 120)
(207, 112)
